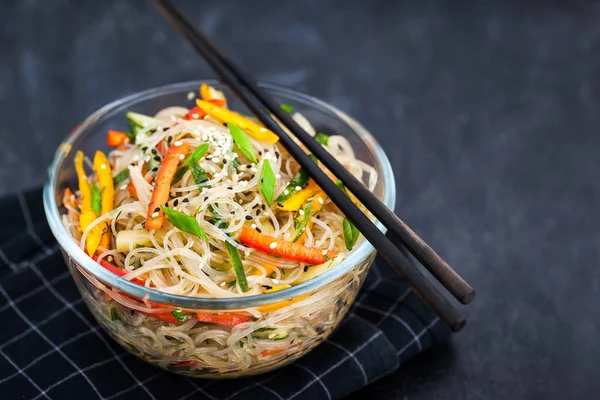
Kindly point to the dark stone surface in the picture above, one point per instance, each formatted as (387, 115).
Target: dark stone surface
(488, 112)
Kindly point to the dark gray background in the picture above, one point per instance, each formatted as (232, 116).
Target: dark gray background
(489, 113)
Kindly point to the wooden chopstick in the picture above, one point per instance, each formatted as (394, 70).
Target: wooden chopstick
(391, 254)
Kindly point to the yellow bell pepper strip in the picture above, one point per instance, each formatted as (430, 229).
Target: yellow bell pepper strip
(107, 191)
(269, 269)
(271, 289)
(281, 304)
(296, 201)
(87, 215)
(283, 248)
(251, 128)
(317, 203)
(162, 187)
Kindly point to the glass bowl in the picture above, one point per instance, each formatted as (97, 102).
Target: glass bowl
(310, 311)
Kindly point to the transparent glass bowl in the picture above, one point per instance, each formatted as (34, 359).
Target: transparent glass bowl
(310, 311)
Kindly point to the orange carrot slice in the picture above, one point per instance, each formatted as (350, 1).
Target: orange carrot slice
(116, 138)
(283, 248)
(160, 194)
(229, 319)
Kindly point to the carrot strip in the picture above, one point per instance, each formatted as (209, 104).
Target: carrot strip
(281, 304)
(229, 319)
(160, 194)
(283, 248)
(116, 138)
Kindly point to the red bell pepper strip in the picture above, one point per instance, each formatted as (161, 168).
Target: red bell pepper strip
(117, 271)
(229, 319)
(162, 187)
(283, 248)
(194, 113)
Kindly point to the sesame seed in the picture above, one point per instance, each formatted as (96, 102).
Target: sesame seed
(222, 284)
(186, 200)
(280, 205)
(301, 212)
(277, 176)
(177, 143)
(258, 229)
(216, 159)
(169, 138)
(286, 192)
(264, 207)
(206, 198)
(157, 209)
(154, 215)
(253, 169)
(181, 156)
(298, 188)
(154, 169)
(275, 281)
(320, 200)
(144, 148)
(272, 246)
(248, 217)
(258, 212)
(324, 252)
(196, 116)
(252, 176)
(262, 130)
(253, 226)
(147, 159)
(175, 202)
(232, 213)
(277, 154)
(157, 158)
(248, 166)
(124, 187)
(224, 161)
(154, 151)
(103, 166)
(260, 153)
(305, 268)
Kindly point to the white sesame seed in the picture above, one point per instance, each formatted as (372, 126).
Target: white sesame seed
(273, 245)
(301, 212)
(154, 215)
(253, 226)
(286, 192)
(177, 143)
(246, 253)
(204, 137)
(272, 335)
(147, 158)
(103, 166)
(320, 200)
(196, 116)
(181, 156)
(218, 175)
(277, 176)
(275, 281)
(253, 169)
(222, 284)
(298, 188)
(262, 130)
(216, 160)
(109, 258)
(191, 95)
(123, 187)
(324, 252)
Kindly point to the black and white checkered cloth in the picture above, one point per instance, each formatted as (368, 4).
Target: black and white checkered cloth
(51, 347)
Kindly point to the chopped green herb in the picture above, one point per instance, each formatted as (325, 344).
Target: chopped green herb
(301, 227)
(235, 163)
(241, 344)
(231, 284)
(300, 180)
(267, 182)
(112, 314)
(184, 222)
(340, 184)
(191, 162)
(96, 199)
(287, 108)
(351, 233)
(272, 275)
(121, 176)
(242, 142)
(238, 267)
(180, 315)
(322, 138)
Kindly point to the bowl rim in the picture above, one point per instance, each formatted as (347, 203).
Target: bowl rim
(72, 249)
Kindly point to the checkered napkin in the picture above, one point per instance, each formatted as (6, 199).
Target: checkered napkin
(51, 347)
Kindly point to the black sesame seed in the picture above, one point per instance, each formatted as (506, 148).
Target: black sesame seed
(165, 128)
(229, 187)
(248, 217)
(254, 206)
(144, 148)
(186, 200)
(318, 217)
(280, 205)
(154, 151)
(267, 287)
(224, 161)
(204, 180)
(258, 230)
(206, 198)
(277, 154)
(305, 268)
(175, 202)
(258, 212)
(252, 176)
(169, 138)
(157, 158)
(154, 169)
(225, 124)
(260, 153)
(262, 181)
(157, 209)
(248, 166)
(264, 207)
(233, 213)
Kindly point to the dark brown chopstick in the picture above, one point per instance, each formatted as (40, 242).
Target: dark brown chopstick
(255, 100)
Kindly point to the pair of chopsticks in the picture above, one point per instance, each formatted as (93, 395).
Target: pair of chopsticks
(259, 102)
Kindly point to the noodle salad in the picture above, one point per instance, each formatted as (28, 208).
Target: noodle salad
(205, 203)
